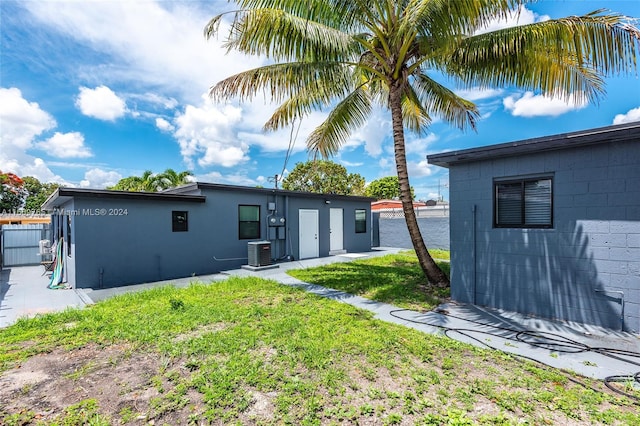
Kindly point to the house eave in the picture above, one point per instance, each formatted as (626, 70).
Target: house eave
(609, 134)
(63, 195)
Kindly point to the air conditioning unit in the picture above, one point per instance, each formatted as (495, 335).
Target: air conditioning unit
(259, 253)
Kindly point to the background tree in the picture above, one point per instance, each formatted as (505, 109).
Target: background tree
(37, 192)
(323, 177)
(150, 182)
(11, 192)
(351, 55)
(170, 179)
(135, 183)
(386, 188)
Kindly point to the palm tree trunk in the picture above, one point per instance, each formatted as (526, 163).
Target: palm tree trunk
(434, 274)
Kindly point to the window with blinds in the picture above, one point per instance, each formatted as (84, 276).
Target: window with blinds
(524, 203)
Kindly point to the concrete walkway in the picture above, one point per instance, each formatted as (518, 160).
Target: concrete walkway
(587, 350)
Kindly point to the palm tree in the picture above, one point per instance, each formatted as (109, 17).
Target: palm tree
(349, 55)
(170, 179)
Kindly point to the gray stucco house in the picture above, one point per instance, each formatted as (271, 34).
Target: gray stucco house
(550, 226)
(113, 238)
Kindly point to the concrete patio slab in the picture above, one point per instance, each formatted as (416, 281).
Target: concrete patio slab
(24, 293)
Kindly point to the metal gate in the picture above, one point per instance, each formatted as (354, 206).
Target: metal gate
(20, 243)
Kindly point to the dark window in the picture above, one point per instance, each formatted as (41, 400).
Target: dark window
(361, 221)
(248, 222)
(524, 203)
(68, 235)
(179, 221)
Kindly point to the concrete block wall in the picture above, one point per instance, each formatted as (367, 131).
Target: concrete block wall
(582, 268)
(140, 246)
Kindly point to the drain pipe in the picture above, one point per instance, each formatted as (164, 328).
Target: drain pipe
(474, 254)
(597, 290)
(287, 237)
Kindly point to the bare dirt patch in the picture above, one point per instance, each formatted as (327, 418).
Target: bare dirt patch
(121, 381)
(138, 387)
(200, 331)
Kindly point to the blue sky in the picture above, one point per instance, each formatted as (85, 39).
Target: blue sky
(91, 92)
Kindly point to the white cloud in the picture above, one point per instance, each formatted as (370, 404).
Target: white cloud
(256, 114)
(530, 105)
(221, 135)
(433, 196)
(164, 125)
(630, 116)
(479, 93)
(420, 145)
(350, 164)
(165, 49)
(101, 103)
(153, 99)
(521, 16)
(231, 179)
(20, 120)
(27, 165)
(272, 141)
(208, 132)
(373, 134)
(419, 169)
(65, 145)
(98, 178)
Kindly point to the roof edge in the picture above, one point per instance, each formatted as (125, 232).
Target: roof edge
(608, 134)
(63, 192)
(274, 191)
(184, 193)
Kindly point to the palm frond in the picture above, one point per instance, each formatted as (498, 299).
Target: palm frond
(607, 41)
(415, 115)
(565, 57)
(280, 81)
(300, 105)
(348, 115)
(449, 20)
(443, 102)
(337, 14)
(280, 35)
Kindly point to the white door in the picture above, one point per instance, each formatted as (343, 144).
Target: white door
(336, 243)
(308, 224)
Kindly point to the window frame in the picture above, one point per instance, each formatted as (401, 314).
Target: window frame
(361, 231)
(177, 226)
(523, 202)
(241, 222)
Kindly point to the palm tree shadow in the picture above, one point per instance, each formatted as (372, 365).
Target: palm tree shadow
(545, 274)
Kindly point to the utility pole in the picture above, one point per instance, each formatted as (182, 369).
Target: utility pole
(439, 185)
(274, 179)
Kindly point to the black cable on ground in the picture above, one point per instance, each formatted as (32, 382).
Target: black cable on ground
(546, 340)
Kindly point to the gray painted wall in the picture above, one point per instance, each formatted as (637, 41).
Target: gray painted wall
(139, 246)
(554, 273)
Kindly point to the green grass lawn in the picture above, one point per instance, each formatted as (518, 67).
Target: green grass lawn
(395, 279)
(252, 351)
